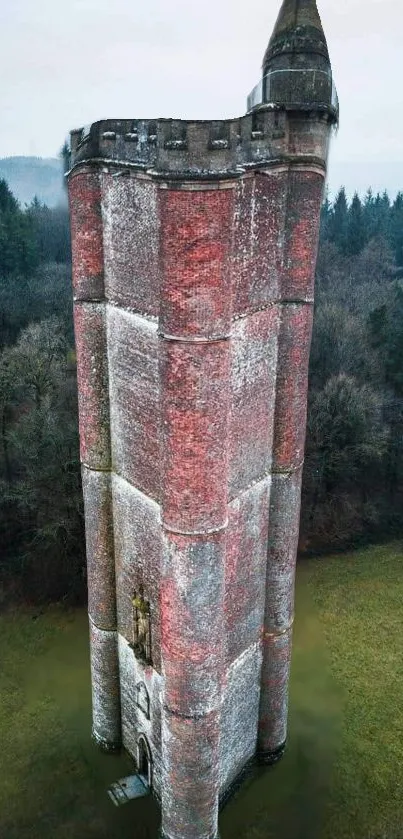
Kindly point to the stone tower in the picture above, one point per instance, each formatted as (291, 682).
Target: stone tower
(194, 249)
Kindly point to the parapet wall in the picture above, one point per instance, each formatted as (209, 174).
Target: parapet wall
(201, 149)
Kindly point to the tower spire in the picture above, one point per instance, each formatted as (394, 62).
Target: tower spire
(296, 66)
(298, 30)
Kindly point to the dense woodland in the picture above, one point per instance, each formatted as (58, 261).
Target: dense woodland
(353, 479)
(41, 518)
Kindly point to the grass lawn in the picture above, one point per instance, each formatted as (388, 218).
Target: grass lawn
(342, 775)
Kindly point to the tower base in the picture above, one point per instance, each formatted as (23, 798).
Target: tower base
(235, 785)
(105, 745)
(163, 835)
(271, 757)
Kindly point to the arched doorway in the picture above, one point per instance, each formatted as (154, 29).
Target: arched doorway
(144, 762)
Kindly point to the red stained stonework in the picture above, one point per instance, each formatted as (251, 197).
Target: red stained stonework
(194, 248)
(194, 418)
(305, 191)
(196, 232)
(190, 783)
(292, 386)
(92, 377)
(86, 234)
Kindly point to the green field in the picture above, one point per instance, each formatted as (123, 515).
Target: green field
(342, 775)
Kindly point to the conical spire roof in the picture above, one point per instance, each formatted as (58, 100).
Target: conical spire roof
(298, 29)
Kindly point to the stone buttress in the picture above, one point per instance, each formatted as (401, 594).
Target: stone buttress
(194, 250)
(95, 450)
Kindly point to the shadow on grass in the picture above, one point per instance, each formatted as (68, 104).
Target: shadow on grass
(289, 800)
(54, 780)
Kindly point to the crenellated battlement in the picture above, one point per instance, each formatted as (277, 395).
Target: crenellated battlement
(199, 148)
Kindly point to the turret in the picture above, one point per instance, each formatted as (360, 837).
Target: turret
(296, 72)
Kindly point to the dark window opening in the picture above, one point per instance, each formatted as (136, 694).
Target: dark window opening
(143, 699)
(144, 762)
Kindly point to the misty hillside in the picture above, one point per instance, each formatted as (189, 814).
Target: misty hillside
(30, 176)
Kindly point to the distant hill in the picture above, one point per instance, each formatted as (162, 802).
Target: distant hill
(30, 176)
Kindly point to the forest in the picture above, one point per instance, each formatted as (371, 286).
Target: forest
(353, 476)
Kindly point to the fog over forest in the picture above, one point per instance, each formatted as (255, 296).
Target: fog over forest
(28, 177)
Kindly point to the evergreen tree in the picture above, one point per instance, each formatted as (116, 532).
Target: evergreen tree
(65, 156)
(8, 204)
(382, 214)
(51, 231)
(396, 229)
(386, 335)
(356, 234)
(18, 251)
(369, 214)
(338, 222)
(325, 217)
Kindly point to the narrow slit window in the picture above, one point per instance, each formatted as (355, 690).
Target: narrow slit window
(143, 699)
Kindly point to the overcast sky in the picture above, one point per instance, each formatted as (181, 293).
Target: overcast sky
(67, 64)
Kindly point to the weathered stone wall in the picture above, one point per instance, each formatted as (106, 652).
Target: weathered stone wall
(101, 580)
(196, 228)
(131, 243)
(193, 335)
(134, 399)
(239, 715)
(106, 722)
(134, 721)
(87, 235)
(259, 233)
(95, 449)
(301, 232)
(245, 570)
(253, 383)
(245, 576)
(138, 557)
(179, 149)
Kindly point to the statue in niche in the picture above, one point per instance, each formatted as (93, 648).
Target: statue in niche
(141, 627)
